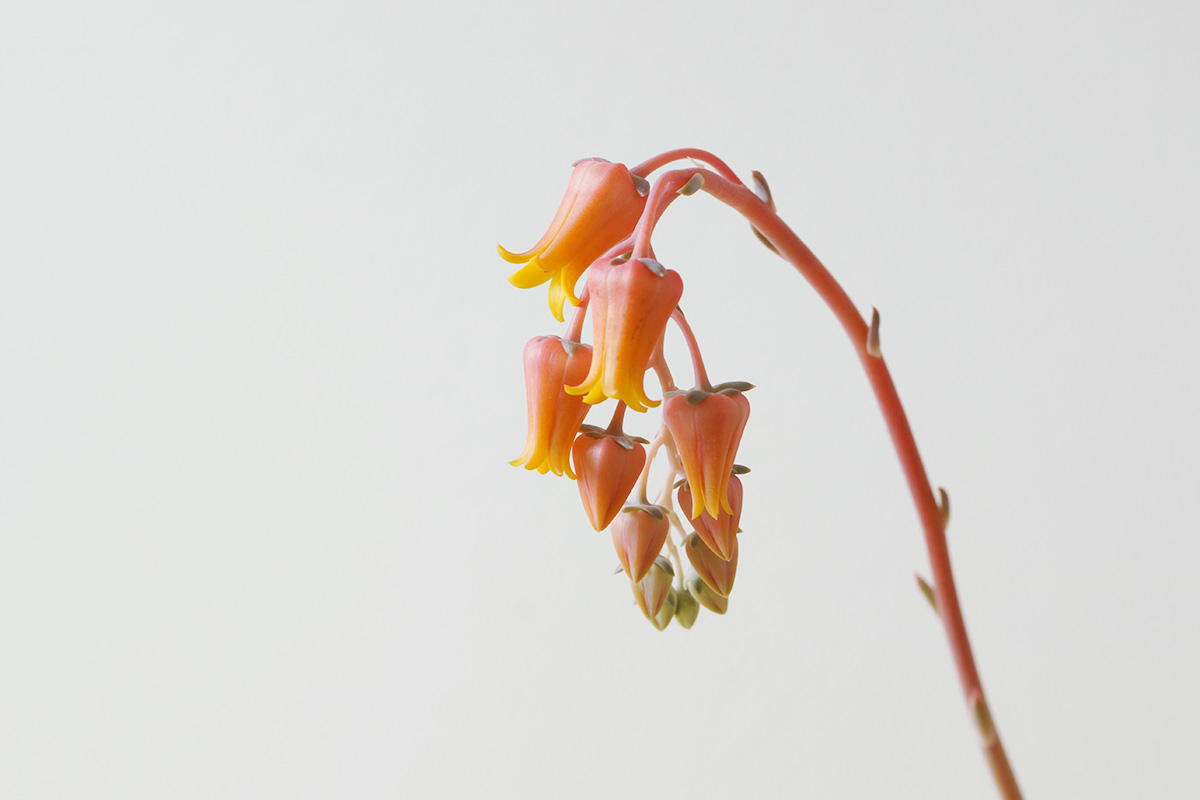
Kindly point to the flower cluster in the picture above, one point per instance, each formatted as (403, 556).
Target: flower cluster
(602, 233)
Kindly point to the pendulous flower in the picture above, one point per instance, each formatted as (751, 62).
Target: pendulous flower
(600, 210)
(707, 427)
(554, 415)
(631, 302)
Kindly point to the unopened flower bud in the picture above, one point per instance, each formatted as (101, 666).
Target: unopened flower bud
(707, 428)
(719, 532)
(665, 614)
(706, 596)
(715, 571)
(686, 608)
(638, 534)
(652, 591)
(607, 469)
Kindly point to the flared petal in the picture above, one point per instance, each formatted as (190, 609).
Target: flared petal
(530, 275)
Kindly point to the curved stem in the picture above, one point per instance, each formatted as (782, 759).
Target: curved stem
(662, 159)
(644, 478)
(694, 349)
(789, 245)
(658, 363)
(662, 194)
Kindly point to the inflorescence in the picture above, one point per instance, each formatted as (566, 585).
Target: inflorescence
(602, 231)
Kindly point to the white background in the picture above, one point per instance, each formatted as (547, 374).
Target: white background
(260, 373)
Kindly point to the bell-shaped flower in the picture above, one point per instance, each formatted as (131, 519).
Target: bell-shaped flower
(554, 415)
(600, 209)
(607, 465)
(717, 572)
(631, 302)
(707, 427)
(638, 534)
(654, 589)
(719, 533)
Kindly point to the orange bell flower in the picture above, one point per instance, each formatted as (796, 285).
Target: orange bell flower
(600, 209)
(554, 415)
(631, 303)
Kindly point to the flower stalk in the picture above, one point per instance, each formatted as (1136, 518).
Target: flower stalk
(604, 228)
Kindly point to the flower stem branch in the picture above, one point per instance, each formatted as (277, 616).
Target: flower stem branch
(662, 194)
(703, 156)
(694, 349)
(789, 245)
(644, 478)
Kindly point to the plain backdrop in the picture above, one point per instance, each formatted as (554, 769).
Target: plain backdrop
(260, 376)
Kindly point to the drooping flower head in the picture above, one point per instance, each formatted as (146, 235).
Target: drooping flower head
(554, 415)
(707, 427)
(631, 303)
(600, 210)
(602, 232)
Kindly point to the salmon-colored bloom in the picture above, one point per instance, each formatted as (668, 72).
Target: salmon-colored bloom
(715, 570)
(654, 590)
(719, 533)
(554, 415)
(638, 534)
(631, 302)
(608, 466)
(707, 428)
(600, 209)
